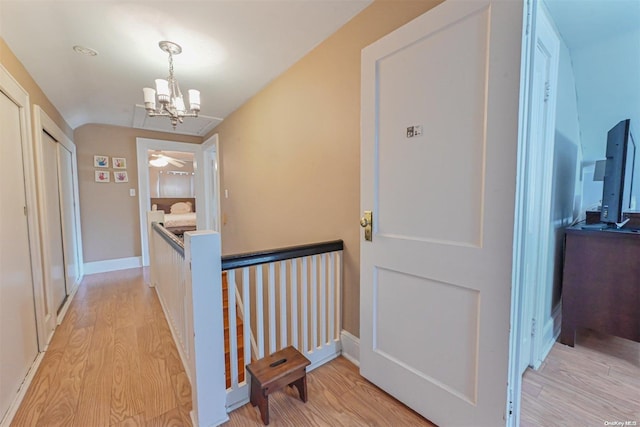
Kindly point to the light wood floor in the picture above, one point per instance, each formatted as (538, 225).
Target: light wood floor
(596, 381)
(112, 362)
(338, 396)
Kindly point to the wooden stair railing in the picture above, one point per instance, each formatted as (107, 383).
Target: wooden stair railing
(239, 334)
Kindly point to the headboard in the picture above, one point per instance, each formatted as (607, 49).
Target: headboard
(164, 203)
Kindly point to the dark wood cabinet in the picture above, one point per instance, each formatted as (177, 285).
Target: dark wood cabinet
(601, 283)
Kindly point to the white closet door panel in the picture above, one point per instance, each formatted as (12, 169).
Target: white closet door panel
(67, 211)
(54, 265)
(18, 340)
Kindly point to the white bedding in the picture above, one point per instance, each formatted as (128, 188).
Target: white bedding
(180, 220)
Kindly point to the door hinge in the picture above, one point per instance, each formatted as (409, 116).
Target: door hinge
(25, 211)
(533, 327)
(547, 90)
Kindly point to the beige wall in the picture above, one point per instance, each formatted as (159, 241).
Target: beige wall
(109, 215)
(291, 154)
(36, 95)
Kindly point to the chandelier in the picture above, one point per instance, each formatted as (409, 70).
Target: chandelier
(170, 102)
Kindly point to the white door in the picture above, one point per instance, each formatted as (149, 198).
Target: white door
(436, 278)
(55, 276)
(18, 340)
(67, 212)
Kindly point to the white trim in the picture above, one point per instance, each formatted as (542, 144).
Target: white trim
(350, 347)
(142, 146)
(13, 408)
(112, 265)
(65, 307)
(211, 178)
(514, 387)
(545, 32)
(550, 333)
(42, 122)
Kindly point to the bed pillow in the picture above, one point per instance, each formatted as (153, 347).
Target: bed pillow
(181, 208)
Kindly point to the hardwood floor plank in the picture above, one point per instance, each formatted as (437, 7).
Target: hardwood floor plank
(36, 396)
(598, 380)
(159, 396)
(94, 406)
(127, 397)
(172, 418)
(338, 396)
(182, 389)
(63, 396)
(137, 421)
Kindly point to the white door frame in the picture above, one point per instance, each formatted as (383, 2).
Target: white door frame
(142, 146)
(211, 183)
(533, 194)
(42, 122)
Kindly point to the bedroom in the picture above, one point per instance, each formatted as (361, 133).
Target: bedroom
(172, 189)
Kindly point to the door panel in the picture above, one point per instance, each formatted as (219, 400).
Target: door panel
(436, 278)
(67, 212)
(19, 345)
(54, 258)
(406, 99)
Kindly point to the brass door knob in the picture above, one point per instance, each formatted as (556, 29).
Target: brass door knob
(364, 221)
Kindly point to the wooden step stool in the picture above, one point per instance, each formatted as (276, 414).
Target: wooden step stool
(271, 373)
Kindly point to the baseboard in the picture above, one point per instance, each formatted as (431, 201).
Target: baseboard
(112, 265)
(350, 347)
(13, 408)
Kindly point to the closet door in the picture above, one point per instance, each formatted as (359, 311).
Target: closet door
(67, 211)
(18, 339)
(54, 251)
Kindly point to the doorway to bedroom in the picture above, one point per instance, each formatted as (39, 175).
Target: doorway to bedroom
(172, 177)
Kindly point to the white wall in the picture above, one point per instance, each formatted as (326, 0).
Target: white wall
(608, 85)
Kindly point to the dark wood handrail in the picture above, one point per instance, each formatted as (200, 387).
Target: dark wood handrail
(230, 262)
(169, 237)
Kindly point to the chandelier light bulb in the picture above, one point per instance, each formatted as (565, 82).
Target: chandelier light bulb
(149, 98)
(194, 99)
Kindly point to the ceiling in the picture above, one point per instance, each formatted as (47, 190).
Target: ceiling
(230, 50)
(583, 22)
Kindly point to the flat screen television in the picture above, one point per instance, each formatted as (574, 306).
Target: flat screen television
(618, 190)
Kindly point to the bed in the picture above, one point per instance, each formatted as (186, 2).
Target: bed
(179, 213)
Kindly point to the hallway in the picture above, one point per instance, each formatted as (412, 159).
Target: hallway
(112, 362)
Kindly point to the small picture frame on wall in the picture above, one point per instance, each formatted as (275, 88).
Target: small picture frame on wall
(119, 162)
(120, 176)
(103, 176)
(101, 161)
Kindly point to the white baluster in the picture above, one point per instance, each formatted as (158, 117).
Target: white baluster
(314, 302)
(272, 308)
(323, 299)
(246, 301)
(294, 303)
(260, 311)
(283, 304)
(332, 297)
(304, 272)
(233, 330)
